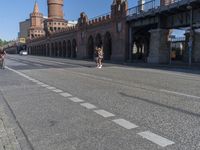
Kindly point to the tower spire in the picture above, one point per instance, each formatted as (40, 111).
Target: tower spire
(36, 8)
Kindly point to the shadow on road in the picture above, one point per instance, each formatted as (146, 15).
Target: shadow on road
(161, 105)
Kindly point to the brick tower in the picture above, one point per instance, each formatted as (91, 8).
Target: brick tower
(55, 19)
(37, 27)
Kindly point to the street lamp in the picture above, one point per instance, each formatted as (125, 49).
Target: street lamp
(190, 43)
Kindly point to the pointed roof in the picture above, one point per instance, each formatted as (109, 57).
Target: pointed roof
(36, 8)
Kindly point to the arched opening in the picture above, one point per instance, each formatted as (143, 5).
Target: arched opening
(48, 50)
(45, 50)
(64, 49)
(52, 50)
(56, 49)
(60, 50)
(74, 49)
(98, 40)
(90, 47)
(107, 48)
(39, 50)
(69, 47)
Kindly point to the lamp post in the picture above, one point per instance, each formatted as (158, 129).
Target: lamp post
(190, 43)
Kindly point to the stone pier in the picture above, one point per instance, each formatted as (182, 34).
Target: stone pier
(196, 47)
(159, 46)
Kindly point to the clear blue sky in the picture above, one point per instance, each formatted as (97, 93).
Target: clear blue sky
(14, 11)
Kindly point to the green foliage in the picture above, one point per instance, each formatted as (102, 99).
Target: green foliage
(3, 42)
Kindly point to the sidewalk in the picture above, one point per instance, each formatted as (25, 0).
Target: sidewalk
(8, 139)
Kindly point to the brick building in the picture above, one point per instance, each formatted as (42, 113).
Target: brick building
(79, 41)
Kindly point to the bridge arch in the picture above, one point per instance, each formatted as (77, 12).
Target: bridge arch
(64, 49)
(52, 50)
(90, 47)
(60, 49)
(98, 40)
(48, 50)
(56, 49)
(74, 48)
(69, 48)
(107, 46)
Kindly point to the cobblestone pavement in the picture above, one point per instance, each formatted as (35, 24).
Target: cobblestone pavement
(8, 140)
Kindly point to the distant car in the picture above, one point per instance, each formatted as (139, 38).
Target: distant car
(23, 52)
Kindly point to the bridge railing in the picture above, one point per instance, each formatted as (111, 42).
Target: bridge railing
(177, 39)
(150, 5)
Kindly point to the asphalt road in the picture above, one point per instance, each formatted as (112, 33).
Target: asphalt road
(64, 104)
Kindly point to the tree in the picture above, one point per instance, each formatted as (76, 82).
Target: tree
(3, 42)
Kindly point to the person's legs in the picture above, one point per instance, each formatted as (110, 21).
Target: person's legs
(97, 61)
(100, 63)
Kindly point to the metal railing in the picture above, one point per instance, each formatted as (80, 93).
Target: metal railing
(177, 39)
(150, 5)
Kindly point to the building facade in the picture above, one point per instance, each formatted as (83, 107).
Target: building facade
(79, 41)
(24, 29)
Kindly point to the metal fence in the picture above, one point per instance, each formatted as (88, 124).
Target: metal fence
(149, 6)
(142, 8)
(177, 39)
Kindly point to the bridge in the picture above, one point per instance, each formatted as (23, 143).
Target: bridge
(140, 33)
(150, 25)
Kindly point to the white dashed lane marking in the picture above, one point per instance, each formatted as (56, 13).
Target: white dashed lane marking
(44, 85)
(88, 105)
(76, 100)
(51, 88)
(161, 141)
(104, 113)
(124, 123)
(181, 94)
(65, 94)
(58, 91)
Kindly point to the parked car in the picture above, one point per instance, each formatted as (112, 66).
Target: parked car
(23, 52)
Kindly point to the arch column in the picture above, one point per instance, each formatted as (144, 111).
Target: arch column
(159, 46)
(196, 46)
(90, 48)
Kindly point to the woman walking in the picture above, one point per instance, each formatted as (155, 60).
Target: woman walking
(100, 57)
